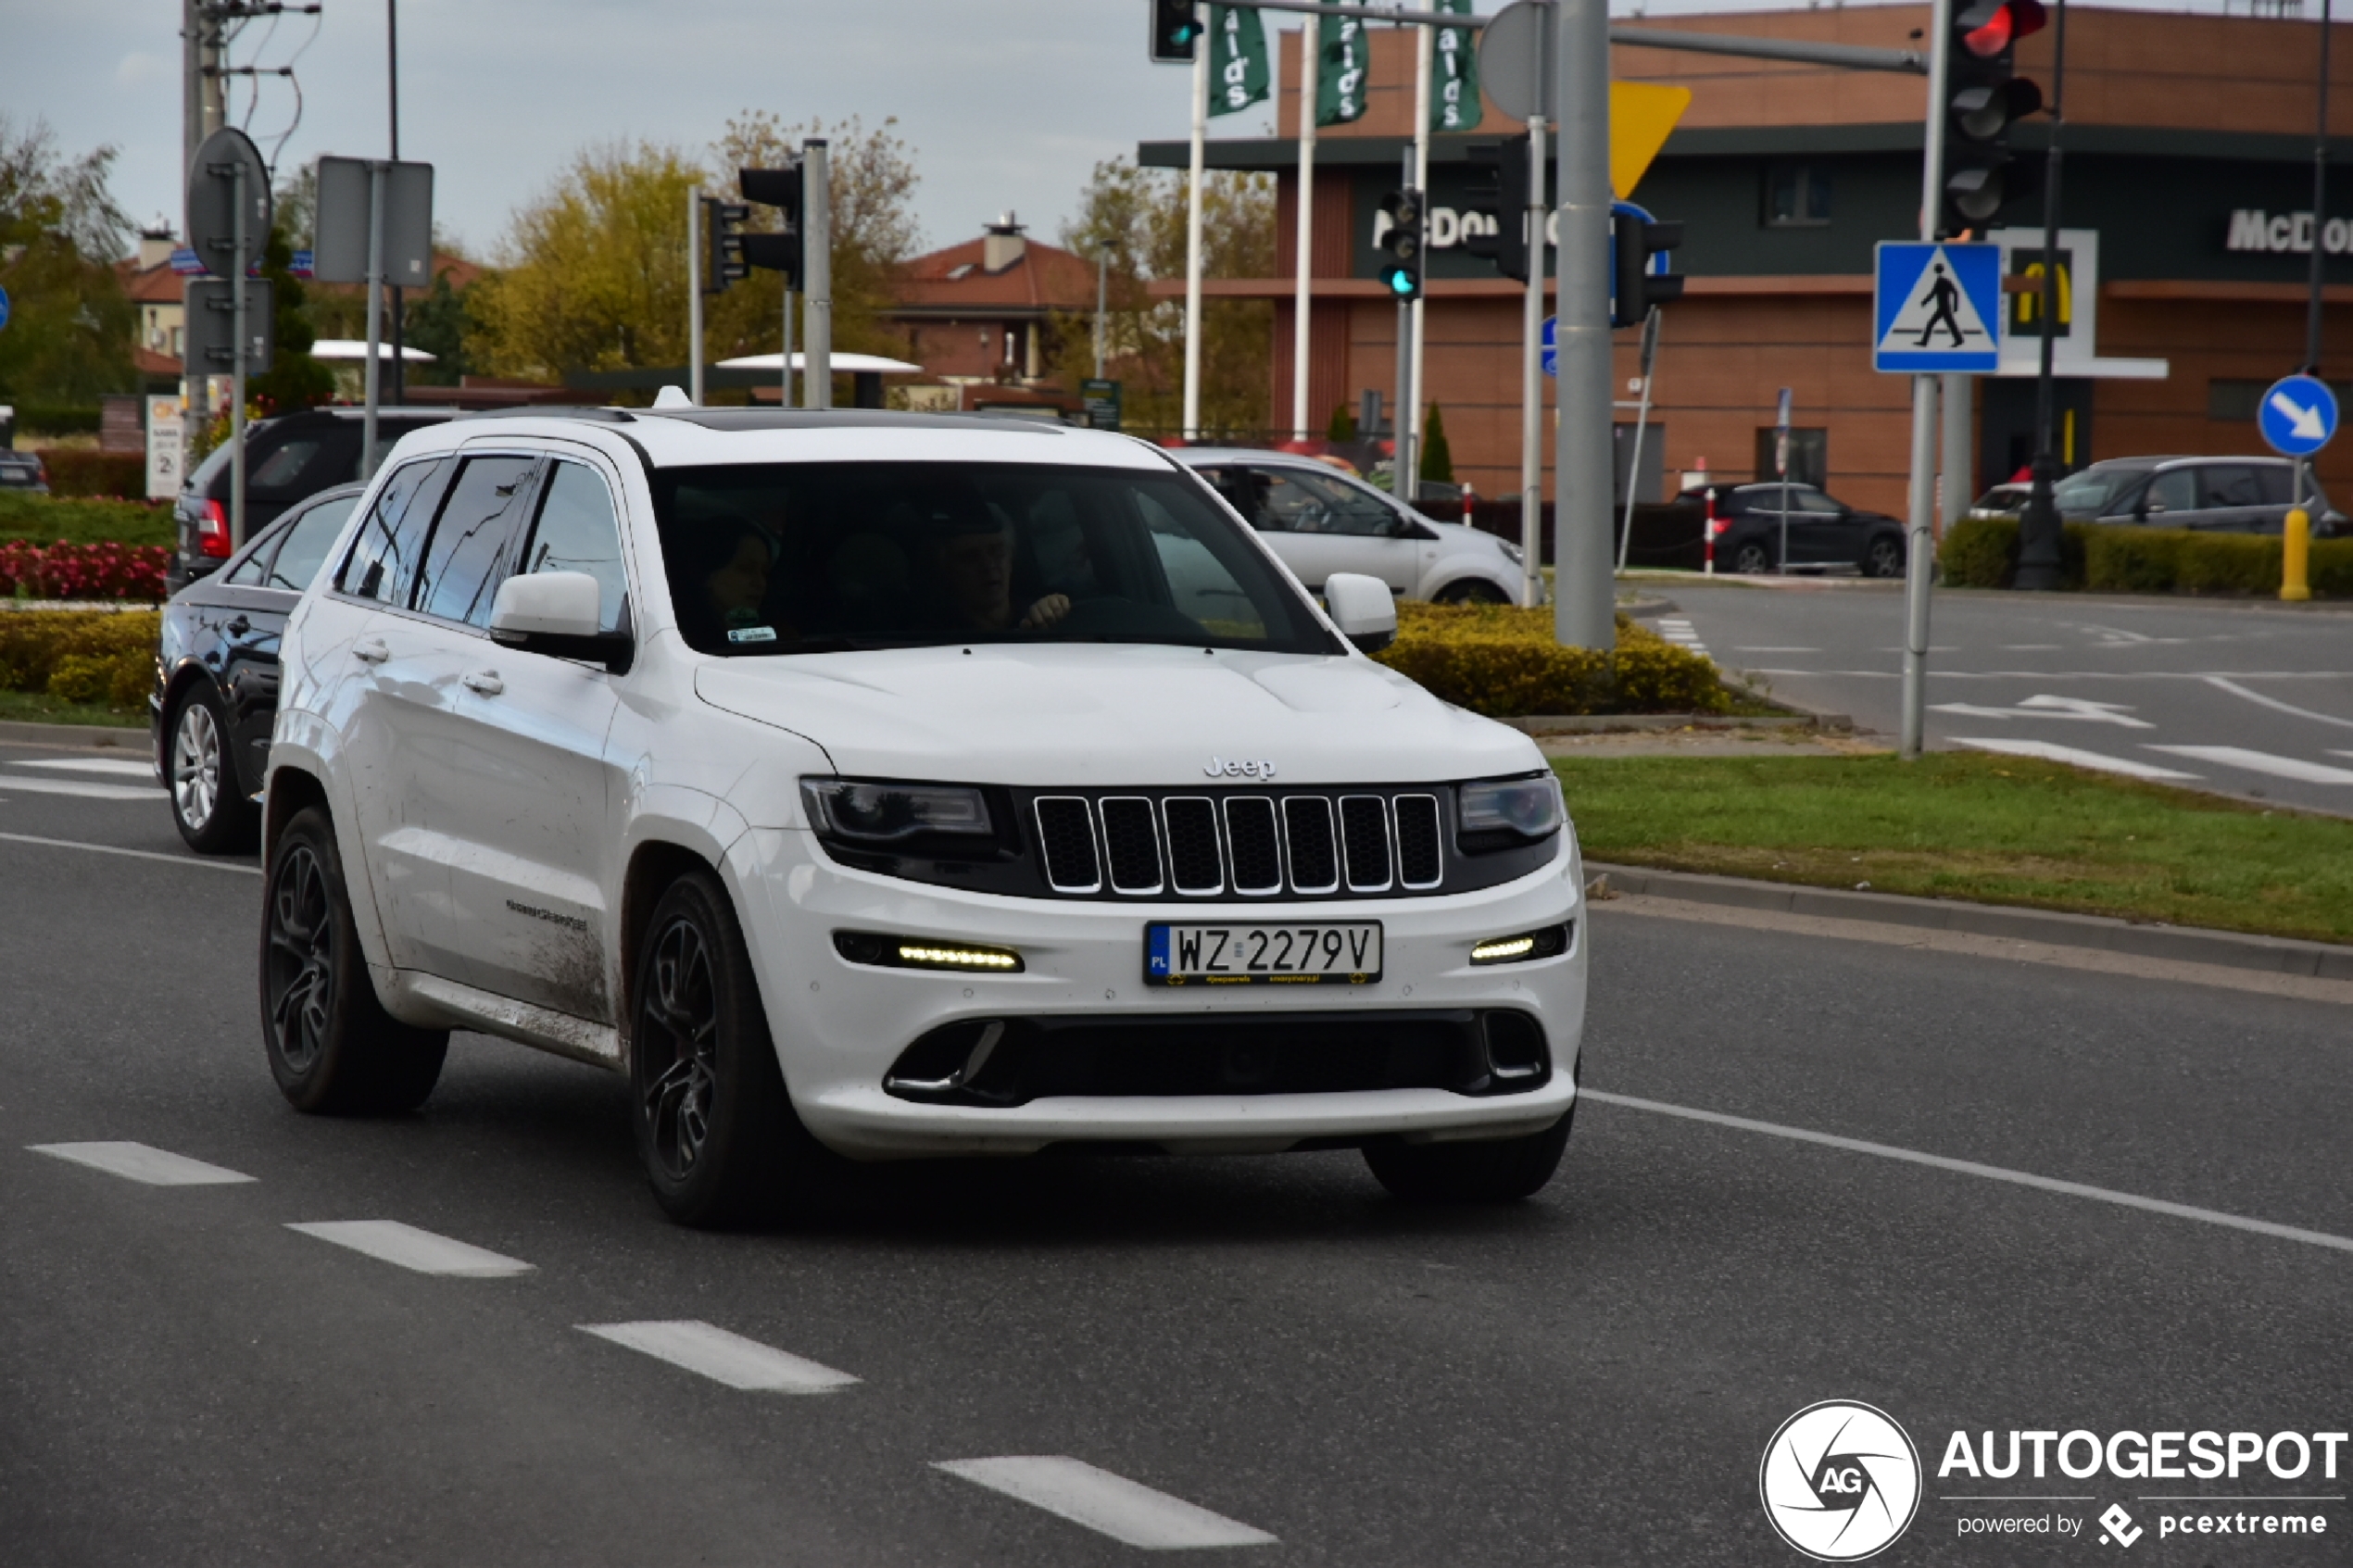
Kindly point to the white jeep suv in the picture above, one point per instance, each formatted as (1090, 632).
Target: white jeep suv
(882, 785)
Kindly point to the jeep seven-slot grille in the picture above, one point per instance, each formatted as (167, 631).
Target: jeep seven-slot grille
(1301, 843)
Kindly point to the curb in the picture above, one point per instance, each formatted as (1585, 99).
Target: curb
(2276, 955)
(1540, 724)
(102, 736)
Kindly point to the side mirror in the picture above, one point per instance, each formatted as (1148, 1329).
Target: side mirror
(558, 613)
(1363, 608)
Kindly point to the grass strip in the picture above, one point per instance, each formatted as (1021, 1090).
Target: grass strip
(45, 520)
(39, 707)
(1993, 830)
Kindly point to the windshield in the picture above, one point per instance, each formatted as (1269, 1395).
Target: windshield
(2093, 493)
(817, 558)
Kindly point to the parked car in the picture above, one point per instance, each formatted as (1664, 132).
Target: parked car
(1745, 521)
(2220, 495)
(216, 692)
(2003, 503)
(1319, 521)
(287, 458)
(866, 784)
(23, 470)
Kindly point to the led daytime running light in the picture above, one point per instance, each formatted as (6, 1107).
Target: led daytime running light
(956, 958)
(1509, 947)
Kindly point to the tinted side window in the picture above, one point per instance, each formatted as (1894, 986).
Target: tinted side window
(475, 541)
(577, 532)
(1246, 493)
(383, 558)
(307, 463)
(2276, 484)
(1311, 504)
(284, 463)
(2174, 491)
(2231, 485)
(304, 549)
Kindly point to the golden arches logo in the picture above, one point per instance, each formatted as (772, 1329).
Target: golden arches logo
(2028, 305)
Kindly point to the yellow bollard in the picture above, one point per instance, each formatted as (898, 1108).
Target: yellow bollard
(2295, 556)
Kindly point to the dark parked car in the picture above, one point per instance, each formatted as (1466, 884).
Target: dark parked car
(216, 693)
(287, 458)
(1745, 521)
(23, 470)
(2218, 495)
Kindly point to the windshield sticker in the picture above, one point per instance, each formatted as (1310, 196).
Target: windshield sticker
(751, 633)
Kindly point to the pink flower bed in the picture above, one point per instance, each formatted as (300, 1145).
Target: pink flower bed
(82, 572)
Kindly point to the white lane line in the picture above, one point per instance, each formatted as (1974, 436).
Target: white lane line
(17, 782)
(135, 854)
(118, 767)
(156, 1167)
(1990, 1172)
(723, 1356)
(2263, 762)
(2220, 683)
(389, 1241)
(1777, 650)
(1111, 1504)
(2050, 753)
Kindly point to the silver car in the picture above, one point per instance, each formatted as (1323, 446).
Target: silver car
(1320, 520)
(2213, 495)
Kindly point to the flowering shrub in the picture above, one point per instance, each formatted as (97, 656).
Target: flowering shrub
(81, 656)
(1502, 662)
(63, 571)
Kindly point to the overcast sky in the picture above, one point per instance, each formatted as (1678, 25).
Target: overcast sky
(1006, 104)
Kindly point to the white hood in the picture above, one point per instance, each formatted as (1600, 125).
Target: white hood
(1097, 714)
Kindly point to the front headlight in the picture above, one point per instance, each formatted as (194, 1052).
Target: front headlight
(865, 812)
(1517, 556)
(1507, 810)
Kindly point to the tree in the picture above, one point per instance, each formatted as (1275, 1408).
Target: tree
(294, 380)
(70, 326)
(1438, 456)
(439, 322)
(1142, 213)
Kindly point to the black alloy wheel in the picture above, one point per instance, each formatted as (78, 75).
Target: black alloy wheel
(715, 1128)
(1884, 557)
(1495, 1171)
(208, 806)
(332, 1047)
(1753, 558)
(1472, 591)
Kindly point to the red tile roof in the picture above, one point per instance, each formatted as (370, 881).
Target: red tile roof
(1045, 277)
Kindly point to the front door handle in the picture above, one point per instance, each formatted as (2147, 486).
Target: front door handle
(484, 682)
(372, 651)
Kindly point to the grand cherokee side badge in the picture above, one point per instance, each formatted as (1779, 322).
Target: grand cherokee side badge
(1220, 769)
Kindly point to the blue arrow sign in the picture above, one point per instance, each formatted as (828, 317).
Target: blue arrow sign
(4, 308)
(1936, 308)
(1551, 357)
(2299, 416)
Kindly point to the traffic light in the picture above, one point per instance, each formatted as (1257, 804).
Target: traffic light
(1634, 239)
(1983, 98)
(1176, 26)
(1507, 246)
(780, 252)
(723, 250)
(1400, 245)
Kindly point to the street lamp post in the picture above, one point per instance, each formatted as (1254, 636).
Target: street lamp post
(2039, 525)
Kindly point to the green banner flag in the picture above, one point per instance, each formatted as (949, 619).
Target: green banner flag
(1342, 69)
(1454, 99)
(1238, 71)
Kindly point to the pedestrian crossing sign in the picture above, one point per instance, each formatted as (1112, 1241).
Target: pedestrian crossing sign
(1936, 308)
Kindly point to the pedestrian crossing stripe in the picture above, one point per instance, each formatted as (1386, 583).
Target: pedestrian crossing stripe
(1936, 307)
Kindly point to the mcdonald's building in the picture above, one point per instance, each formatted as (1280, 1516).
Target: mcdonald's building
(2184, 255)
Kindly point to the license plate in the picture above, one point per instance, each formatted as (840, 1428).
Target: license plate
(1307, 953)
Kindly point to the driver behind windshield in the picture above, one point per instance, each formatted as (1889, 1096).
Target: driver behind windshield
(967, 567)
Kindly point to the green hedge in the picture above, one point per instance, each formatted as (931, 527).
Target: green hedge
(57, 419)
(1983, 553)
(48, 520)
(1502, 662)
(79, 656)
(75, 471)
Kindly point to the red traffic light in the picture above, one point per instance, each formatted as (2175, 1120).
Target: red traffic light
(1993, 26)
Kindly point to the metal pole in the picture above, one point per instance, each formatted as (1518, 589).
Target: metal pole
(1642, 421)
(1416, 414)
(1531, 375)
(2320, 205)
(694, 294)
(1192, 238)
(237, 364)
(1584, 613)
(1956, 466)
(202, 114)
(1919, 543)
(375, 316)
(392, 96)
(2040, 524)
(1311, 43)
(804, 381)
(1401, 422)
(817, 288)
(1102, 290)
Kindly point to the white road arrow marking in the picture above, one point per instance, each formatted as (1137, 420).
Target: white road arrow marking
(2070, 755)
(2077, 708)
(2304, 424)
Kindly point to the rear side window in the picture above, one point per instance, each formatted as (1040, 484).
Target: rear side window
(286, 463)
(578, 532)
(307, 462)
(2174, 491)
(305, 548)
(2229, 484)
(1306, 503)
(475, 541)
(383, 562)
(2276, 484)
(248, 572)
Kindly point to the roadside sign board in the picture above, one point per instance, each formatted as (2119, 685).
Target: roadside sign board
(2299, 416)
(211, 331)
(1103, 403)
(4, 308)
(1517, 59)
(339, 253)
(212, 203)
(165, 419)
(1551, 347)
(1936, 308)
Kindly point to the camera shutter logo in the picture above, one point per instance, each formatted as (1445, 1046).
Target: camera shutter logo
(1840, 1481)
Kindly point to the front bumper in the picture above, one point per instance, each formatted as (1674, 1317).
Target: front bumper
(839, 1026)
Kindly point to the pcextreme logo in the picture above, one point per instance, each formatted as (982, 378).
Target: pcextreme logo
(1840, 1481)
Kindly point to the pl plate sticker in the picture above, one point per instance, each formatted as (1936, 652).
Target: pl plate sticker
(1840, 1481)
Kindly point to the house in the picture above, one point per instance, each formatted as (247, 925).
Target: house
(981, 314)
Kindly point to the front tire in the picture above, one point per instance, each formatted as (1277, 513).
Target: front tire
(1472, 591)
(715, 1128)
(1884, 557)
(1752, 559)
(209, 806)
(1501, 1171)
(332, 1047)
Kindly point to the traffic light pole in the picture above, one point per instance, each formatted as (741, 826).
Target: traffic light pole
(2039, 524)
(1532, 376)
(694, 294)
(1311, 45)
(1584, 611)
(1401, 462)
(1411, 415)
(817, 284)
(1919, 548)
(1193, 244)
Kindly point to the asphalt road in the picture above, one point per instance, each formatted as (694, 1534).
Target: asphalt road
(2243, 699)
(1590, 1377)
